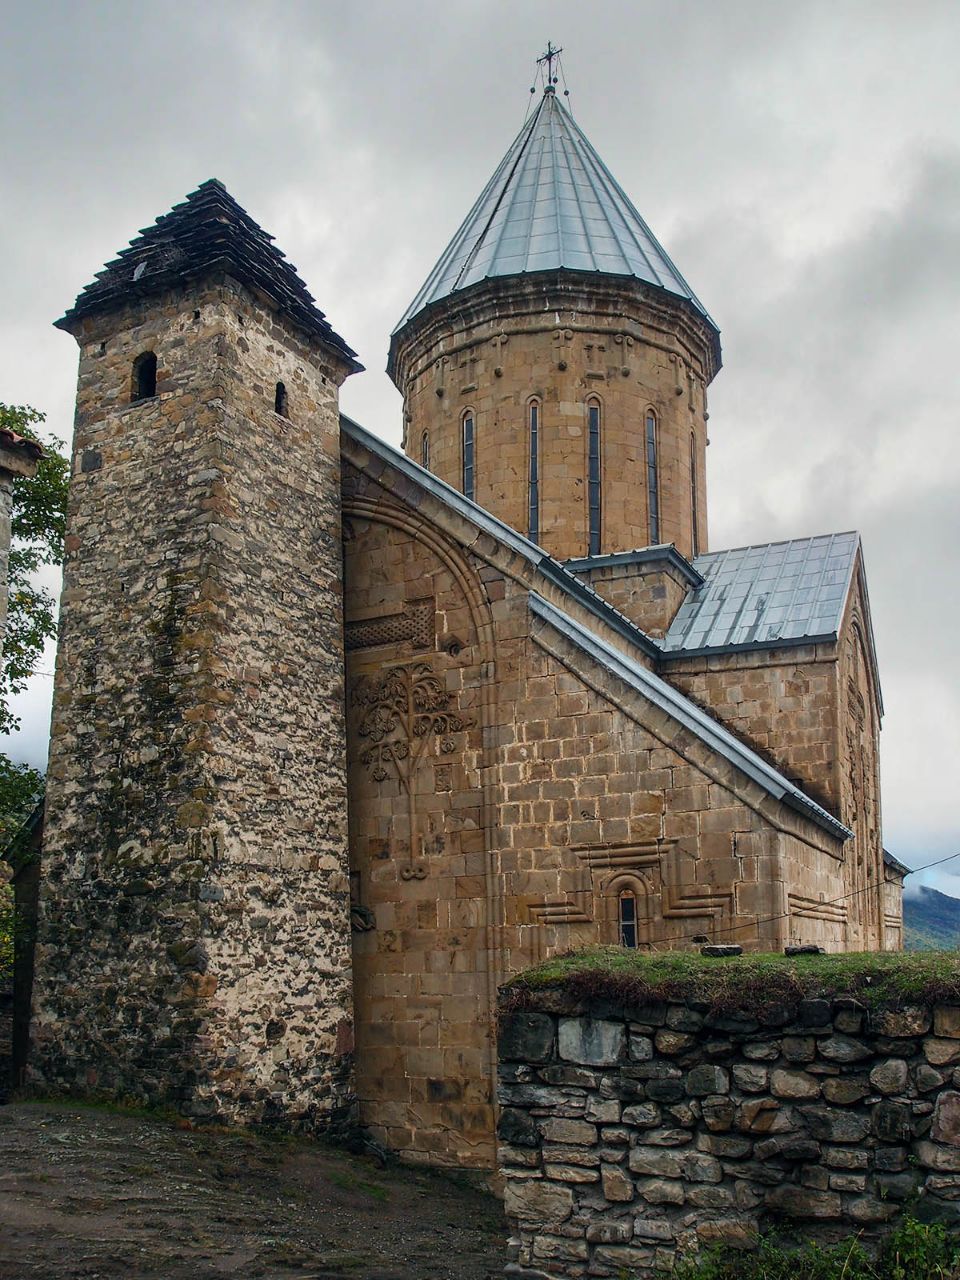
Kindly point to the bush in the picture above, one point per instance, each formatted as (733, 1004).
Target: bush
(915, 1251)
(6, 934)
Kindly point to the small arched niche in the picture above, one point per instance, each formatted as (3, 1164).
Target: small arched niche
(144, 381)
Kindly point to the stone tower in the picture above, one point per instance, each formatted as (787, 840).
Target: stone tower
(554, 365)
(194, 942)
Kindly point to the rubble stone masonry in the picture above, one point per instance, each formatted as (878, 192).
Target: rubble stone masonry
(194, 944)
(630, 1136)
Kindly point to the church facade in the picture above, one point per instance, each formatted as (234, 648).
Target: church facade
(344, 736)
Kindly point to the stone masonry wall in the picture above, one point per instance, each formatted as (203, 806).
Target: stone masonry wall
(194, 943)
(630, 1136)
(564, 340)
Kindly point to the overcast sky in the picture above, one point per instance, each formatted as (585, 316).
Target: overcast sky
(799, 160)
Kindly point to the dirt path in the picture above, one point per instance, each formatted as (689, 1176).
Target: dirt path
(90, 1194)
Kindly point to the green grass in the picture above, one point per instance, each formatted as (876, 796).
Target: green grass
(915, 1251)
(741, 983)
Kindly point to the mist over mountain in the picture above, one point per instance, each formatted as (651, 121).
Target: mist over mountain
(931, 920)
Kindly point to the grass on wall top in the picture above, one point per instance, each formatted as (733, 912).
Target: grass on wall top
(747, 983)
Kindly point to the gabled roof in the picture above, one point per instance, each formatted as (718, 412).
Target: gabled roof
(551, 204)
(560, 576)
(207, 230)
(651, 686)
(771, 594)
(686, 713)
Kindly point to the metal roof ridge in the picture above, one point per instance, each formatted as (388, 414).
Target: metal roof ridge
(708, 730)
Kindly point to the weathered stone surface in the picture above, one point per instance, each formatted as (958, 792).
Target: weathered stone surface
(762, 1051)
(653, 1229)
(617, 1186)
(844, 1090)
(799, 1048)
(571, 1172)
(534, 1200)
(896, 1186)
(560, 1248)
(706, 1079)
(749, 1078)
(890, 1076)
(620, 1231)
(869, 1209)
(927, 1078)
(660, 1191)
(814, 1013)
(731, 1148)
(732, 1233)
(526, 1037)
(572, 1131)
(673, 1042)
(623, 1258)
(642, 1115)
(909, 1021)
(718, 1113)
(699, 1167)
(892, 1122)
(591, 1041)
(946, 1118)
(641, 1047)
(844, 1049)
(941, 1053)
(943, 1159)
(846, 1157)
(656, 1162)
(518, 1128)
(787, 1147)
(722, 950)
(828, 1125)
(793, 1085)
(946, 1021)
(801, 1202)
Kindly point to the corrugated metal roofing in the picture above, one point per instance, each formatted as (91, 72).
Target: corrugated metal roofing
(756, 596)
(685, 712)
(552, 203)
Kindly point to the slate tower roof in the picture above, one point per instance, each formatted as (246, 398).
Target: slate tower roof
(207, 231)
(551, 204)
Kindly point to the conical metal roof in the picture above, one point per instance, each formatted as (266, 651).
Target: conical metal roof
(552, 203)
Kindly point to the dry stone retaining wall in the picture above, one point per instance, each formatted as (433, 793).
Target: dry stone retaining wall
(630, 1136)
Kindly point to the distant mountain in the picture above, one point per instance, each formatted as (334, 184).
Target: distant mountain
(931, 921)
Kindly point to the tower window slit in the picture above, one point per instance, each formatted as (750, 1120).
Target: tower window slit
(653, 480)
(280, 401)
(627, 919)
(468, 455)
(425, 451)
(694, 505)
(144, 376)
(593, 476)
(534, 486)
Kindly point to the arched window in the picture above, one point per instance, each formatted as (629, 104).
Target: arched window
(425, 450)
(144, 376)
(468, 454)
(694, 505)
(533, 489)
(593, 475)
(280, 400)
(627, 918)
(653, 479)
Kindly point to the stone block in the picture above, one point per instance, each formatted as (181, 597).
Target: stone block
(576, 1132)
(890, 1076)
(909, 1021)
(617, 1186)
(526, 1037)
(802, 1202)
(843, 1049)
(844, 1090)
(869, 1209)
(942, 1159)
(829, 1125)
(653, 1229)
(706, 1079)
(749, 1078)
(642, 1115)
(730, 1233)
(619, 1231)
(794, 1085)
(656, 1162)
(699, 1167)
(661, 1191)
(946, 1118)
(892, 1122)
(941, 1052)
(518, 1128)
(535, 1201)
(592, 1042)
(946, 1021)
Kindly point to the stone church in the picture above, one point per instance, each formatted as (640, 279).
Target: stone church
(344, 736)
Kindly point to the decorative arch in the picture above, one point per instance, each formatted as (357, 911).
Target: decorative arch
(468, 453)
(619, 891)
(451, 556)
